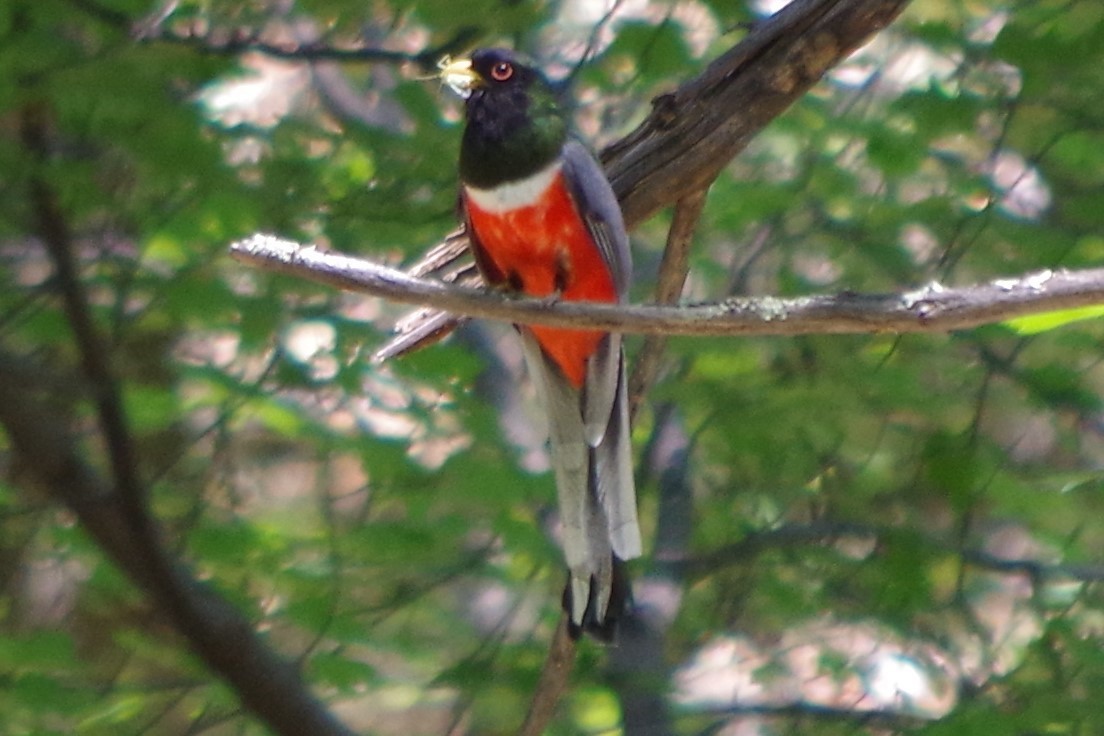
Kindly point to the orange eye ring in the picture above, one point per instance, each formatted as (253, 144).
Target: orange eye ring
(502, 71)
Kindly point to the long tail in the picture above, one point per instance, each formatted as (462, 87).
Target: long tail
(597, 495)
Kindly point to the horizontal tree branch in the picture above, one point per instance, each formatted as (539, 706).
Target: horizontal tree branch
(236, 41)
(932, 308)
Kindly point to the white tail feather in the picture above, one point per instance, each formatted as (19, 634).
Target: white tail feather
(595, 489)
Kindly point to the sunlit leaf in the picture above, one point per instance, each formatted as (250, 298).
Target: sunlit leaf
(1034, 324)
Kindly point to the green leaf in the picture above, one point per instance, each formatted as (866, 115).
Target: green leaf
(951, 465)
(894, 152)
(1061, 386)
(1034, 324)
(340, 672)
(41, 651)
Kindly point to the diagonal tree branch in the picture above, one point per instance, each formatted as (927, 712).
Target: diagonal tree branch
(270, 686)
(693, 132)
(115, 511)
(52, 227)
(932, 308)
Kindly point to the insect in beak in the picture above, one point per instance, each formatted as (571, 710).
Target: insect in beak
(458, 75)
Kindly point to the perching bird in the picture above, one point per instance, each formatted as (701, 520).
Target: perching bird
(544, 221)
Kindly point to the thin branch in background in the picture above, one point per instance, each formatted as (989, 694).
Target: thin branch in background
(238, 41)
(592, 41)
(226, 412)
(488, 650)
(826, 532)
(553, 681)
(334, 558)
(752, 248)
(234, 41)
(102, 12)
(890, 721)
(672, 278)
(51, 226)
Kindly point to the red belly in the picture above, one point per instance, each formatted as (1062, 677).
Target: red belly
(533, 246)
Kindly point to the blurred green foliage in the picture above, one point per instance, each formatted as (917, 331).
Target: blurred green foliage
(386, 527)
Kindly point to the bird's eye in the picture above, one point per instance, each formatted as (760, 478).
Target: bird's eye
(502, 71)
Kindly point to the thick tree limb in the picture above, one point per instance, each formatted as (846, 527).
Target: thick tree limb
(693, 132)
(932, 308)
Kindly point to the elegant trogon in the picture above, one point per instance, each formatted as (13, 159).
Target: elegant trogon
(544, 221)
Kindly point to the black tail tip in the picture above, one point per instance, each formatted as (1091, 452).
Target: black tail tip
(620, 603)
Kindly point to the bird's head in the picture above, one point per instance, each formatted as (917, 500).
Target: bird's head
(515, 125)
(491, 72)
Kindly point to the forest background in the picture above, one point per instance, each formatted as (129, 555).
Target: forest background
(218, 515)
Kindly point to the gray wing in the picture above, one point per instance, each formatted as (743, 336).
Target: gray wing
(598, 207)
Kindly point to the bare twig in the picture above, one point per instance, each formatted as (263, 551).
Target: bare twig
(672, 277)
(932, 308)
(553, 681)
(236, 40)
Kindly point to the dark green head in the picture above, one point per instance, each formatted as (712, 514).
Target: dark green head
(514, 124)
